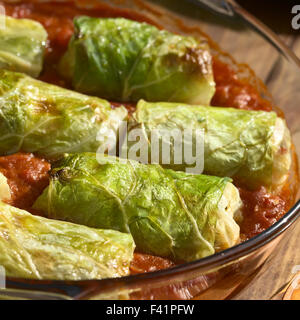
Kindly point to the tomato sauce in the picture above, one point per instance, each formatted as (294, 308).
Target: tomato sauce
(147, 263)
(234, 92)
(28, 175)
(261, 210)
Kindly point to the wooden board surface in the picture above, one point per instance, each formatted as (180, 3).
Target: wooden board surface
(272, 279)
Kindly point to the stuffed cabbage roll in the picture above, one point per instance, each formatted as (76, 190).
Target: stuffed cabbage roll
(125, 60)
(38, 248)
(49, 120)
(253, 147)
(170, 214)
(22, 45)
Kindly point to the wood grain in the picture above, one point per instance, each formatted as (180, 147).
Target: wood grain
(276, 273)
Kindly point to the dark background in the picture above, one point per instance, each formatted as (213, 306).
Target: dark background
(274, 13)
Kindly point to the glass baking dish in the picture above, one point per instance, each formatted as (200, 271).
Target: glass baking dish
(221, 275)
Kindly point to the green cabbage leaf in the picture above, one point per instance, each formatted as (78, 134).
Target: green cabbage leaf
(170, 214)
(253, 147)
(49, 120)
(38, 248)
(124, 60)
(22, 45)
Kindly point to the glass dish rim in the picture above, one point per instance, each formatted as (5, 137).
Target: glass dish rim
(238, 251)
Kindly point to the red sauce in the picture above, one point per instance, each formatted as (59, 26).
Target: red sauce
(147, 263)
(234, 92)
(261, 210)
(27, 177)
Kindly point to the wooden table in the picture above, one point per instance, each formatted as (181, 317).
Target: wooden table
(272, 279)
